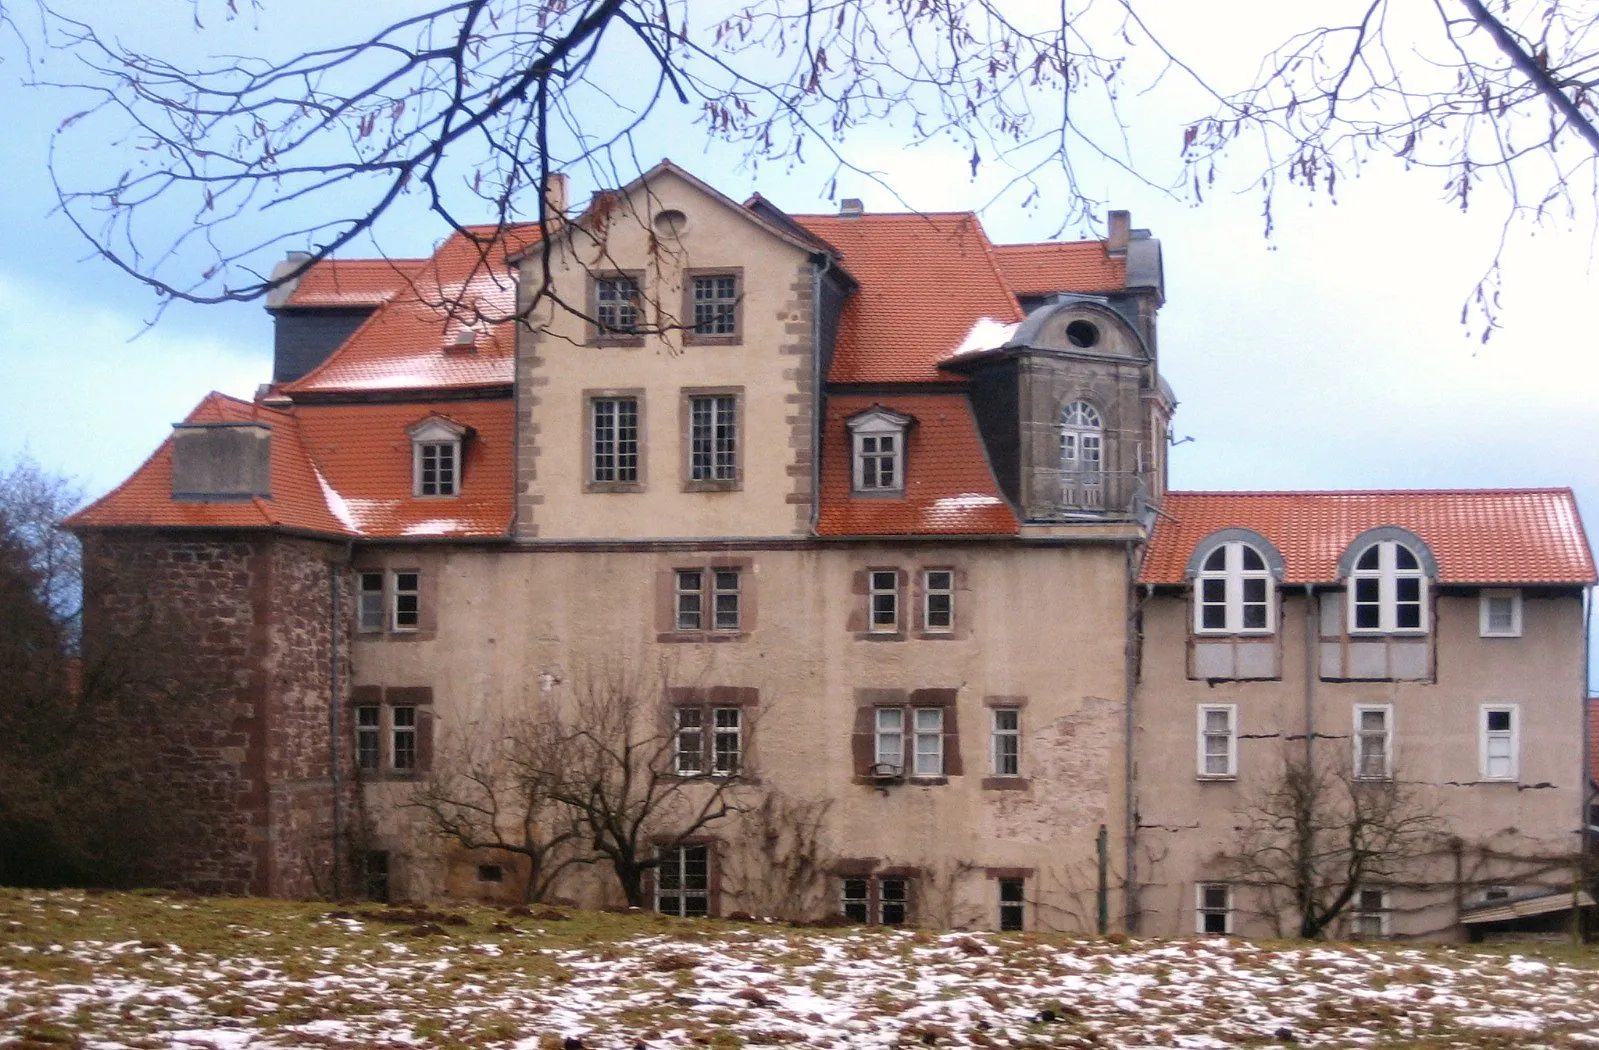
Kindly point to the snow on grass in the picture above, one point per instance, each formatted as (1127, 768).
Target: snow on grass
(230, 975)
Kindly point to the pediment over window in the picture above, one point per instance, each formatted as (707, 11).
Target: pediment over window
(878, 420)
(877, 446)
(437, 428)
(436, 455)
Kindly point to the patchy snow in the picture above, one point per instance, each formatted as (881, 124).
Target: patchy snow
(986, 333)
(437, 527)
(687, 984)
(965, 501)
(337, 503)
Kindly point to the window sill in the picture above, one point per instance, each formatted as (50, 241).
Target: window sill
(616, 341)
(702, 636)
(880, 636)
(936, 636)
(691, 338)
(1007, 784)
(1500, 634)
(613, 486)
(1217, 778)
(1212, 632)
(906, 781)
(1401, 632)
(732, 485)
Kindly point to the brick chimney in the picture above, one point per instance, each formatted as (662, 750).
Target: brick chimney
(851, 207)
(1120, 229)
(555, 193)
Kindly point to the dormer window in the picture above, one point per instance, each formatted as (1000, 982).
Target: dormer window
(877, 438)
(1233, 591)
(1387, 590)
(436, 457)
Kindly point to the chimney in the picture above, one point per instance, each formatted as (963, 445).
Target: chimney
(221, 462)
(1116, 240)
(851, 207)
(279, 293)
(555, 194)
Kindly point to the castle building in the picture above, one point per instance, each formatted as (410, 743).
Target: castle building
(876, 512)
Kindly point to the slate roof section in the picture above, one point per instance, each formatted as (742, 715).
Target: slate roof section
(1061, 266)
(924, 280)
(353, 282)
(298, 501)
(408, 343)
(1481, 536)
(949, 485)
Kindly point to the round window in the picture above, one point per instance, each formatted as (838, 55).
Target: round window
(1082, 333)
(670, 223)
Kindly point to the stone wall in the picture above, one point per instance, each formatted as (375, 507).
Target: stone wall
(214, 654)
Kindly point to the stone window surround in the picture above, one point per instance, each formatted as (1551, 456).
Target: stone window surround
(866, 869)
(386, 699)
(685, 411)
(666, 599)
(586, 445)
(1020, 782)
(910, 599)
(1485, 600)
(427, 603)
(713, 874)
(863, 745)
(693, 338)
(594, 335)
(708, 700)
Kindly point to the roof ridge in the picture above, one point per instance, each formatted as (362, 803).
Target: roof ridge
(1049, 244)
(1458, 490)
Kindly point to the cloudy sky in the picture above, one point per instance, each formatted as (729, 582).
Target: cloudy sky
(1330, 356)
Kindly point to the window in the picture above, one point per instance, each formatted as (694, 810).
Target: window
(375, 875)
(926, 738)
(726, 738)
(1499, 614)
(1369, 917)
(1081, 456)
(403, 754)
(876, 900)
(407, 608)
(1373, 742)
(727, 741)
(702, 610)
(683, 881)
(1233, 591)
(1012, 904)
(1218, 741)
(1387, 590)
(1499, 743)
(715, 304)
(490, 873)
(929, 756)
(713, 438)
(891, 738)
(369, 601)
(690, 754)
(1213, 908)
(877, 438)
(436, 456)
(615, 445)
(368, 736)
(1006, 742)
(884, 604)
(616, 306)
(938, 601)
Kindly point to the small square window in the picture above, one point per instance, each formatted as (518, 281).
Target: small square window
(490, 873)
(1012, 904)
(855, 900)
(715, 609)
(1499, 614)
(1214, 911)
(884, 601)
(715, 301)
(616, 306)
(938, 601)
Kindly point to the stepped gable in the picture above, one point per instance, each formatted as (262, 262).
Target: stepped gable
(949, 486)
(1480, 536)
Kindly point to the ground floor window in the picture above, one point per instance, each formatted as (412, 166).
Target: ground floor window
(1214, 908)
(375, 875)
(683, 881)
(1012, 904)
(876, 900)
(1369, 918)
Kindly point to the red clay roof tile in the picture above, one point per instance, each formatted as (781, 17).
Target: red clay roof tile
(949, 487)
(353, 282)
(409, 341)
(1477, 536)
(1061, 266)
(924, 280)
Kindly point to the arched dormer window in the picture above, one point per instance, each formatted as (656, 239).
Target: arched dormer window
(1234, 591)
(436, 457)
(1387, 588)
(1082, 445)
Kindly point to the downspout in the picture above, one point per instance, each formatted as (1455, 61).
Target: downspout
(1130, 672)
(817, 405)
(1587, 794)
(1312, 637)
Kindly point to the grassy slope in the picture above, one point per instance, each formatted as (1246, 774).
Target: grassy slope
(146, 971)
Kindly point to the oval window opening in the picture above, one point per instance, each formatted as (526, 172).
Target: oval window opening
(1082, 333)
(670, 223)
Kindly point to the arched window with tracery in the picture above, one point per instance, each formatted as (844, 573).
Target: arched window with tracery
(1082, 439)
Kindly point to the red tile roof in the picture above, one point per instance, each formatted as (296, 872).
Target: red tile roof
(364, 451)
(408, 343)
(949, 486)
(1055, 266)
(924, 280)
(353, 282)
(1477, 536)
(297, 502)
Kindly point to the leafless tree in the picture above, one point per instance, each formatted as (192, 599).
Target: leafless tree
(494, 787)
(619, 775)
(1316, 834)
(467, 107)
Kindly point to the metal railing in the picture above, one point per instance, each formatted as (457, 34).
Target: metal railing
(1068, 493)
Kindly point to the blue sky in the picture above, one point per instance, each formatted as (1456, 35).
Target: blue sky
(1331, 356)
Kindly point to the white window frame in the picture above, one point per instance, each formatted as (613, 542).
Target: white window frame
(1202, 909)
(1360, 735)
(1234, 580)
(945, 592)
(878, 436)
(1485, 600)
(623, 459)
(1005, 742)
(688, 731)
(617, 296)
(674, 867)
(1388, 576)
(713, 437)
(720, 318)
(1368, 904)
(714, 602)
(1012, 892)
(444, 438)
(927, 742)
(369, 737)
(403, 754)
(405, 602)
(888, 734)
(370, 617)
(1205, 736)
(727, 741)
(1486, 738)
(876, 588)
